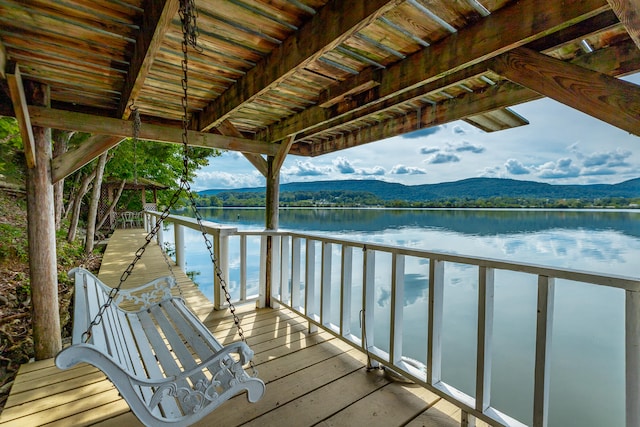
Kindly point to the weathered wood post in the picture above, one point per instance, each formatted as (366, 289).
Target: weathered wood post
(271, 220)
(41, 231)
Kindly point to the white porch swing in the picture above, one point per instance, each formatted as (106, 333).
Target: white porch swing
(165, 363)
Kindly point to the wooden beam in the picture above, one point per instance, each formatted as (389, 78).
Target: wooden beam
(310, 42)
(3, 61)
(68, 120)
(616, 60)
(282, 154)
(19, 100)
(614, 101)
(628, 12)
(156, 20)
(69, 162)
(510, 27)
(228, 129)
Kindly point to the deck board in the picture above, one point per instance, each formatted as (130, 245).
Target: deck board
(312, 379)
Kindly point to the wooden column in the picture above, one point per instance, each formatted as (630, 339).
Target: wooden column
(41, 233)
(271, 219)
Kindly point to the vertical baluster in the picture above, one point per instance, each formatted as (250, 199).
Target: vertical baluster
(178, 236)
(397, 306)
(276, 254)
(368, 298)
(310, 283)
(485, 338)
(295, 273)
(243, 267)
(345, 290)
(544, 328)
(325, 285)
(262, 298)
(632, 357)
(285, 270)
(434, 341)
(160, 236)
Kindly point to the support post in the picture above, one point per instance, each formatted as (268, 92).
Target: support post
(544, 326)
(271, 220)
(178, 235)
(41, 231)
(632, 357)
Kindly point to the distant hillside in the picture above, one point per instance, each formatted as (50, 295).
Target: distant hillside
(472, 188)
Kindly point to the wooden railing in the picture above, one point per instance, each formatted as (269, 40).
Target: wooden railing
(305, 269)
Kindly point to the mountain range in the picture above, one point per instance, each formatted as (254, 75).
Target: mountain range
(474, 188)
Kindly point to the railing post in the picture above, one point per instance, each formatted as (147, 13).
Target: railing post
(160, 235)
(295, 273)
(310, 283)
(262, 297)
(221, 252)
(275, 263)
(368, 299)
(243, 267)
(345, 290)
(434, 339)
(397, 307)
(485, 338)
(632, 357)
(178, 235)
(285, 269)
(325, 284)
(542, 369)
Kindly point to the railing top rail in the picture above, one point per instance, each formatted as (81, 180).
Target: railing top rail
(609, 280)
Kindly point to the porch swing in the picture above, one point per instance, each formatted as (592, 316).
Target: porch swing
(165, 363)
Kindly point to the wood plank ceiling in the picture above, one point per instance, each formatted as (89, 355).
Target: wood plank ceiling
(316, 76)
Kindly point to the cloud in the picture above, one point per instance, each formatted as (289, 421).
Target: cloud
(208, 180)
(563, 168)
(491, 172)
(407, 170)
(458, 130)
(467, 146)
(611, 159)
(440, 158)
(306, 168)
(422, 133)
(429, 150)
(343, 165)
(376, 171)
(514, 167)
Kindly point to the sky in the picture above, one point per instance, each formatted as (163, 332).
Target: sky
(559, 146)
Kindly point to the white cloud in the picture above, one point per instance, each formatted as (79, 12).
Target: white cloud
(209, 180)
(514, 167)
(343, 165)
(440, 158)
(306, 168)
(429, 150)
(407, 170)
(467, 146)
(562, 168)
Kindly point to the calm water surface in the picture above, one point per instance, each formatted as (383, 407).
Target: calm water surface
(587, 362)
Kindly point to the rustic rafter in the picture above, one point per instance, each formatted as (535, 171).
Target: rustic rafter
(500, 32)
(3, 60)
(628, 11)
(609, 99)
(69, 162)
(227, 128)
(310, 42)
(156, 21)
(19, 100)
(278, 161)
(68, 120)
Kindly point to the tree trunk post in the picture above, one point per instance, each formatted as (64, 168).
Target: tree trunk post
(41, 234)
(271, 220)
(60, 142)
(95, 200)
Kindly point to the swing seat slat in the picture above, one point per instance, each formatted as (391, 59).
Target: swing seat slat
(164, 362)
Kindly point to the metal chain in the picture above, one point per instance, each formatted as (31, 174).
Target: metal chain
(136, 132)
(188, 14)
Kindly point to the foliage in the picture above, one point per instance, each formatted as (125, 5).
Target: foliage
(12, 162)
(159, 162)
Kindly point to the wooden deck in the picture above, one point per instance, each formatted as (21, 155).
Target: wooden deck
(312, 379)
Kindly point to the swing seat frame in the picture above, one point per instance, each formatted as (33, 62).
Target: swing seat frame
(164, 362)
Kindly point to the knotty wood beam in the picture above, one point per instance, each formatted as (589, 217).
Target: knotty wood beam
(3, 60)
(19, 100)
(227, 128)
(69, 162)
(157, 18)
(510, 27)
(68, 120)
(614, 101)
(335, 22)
(616, 60)
(628, 11)
(282, 154)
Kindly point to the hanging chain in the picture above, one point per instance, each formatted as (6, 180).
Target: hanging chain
(188, 16)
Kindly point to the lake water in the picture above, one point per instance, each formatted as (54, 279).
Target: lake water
(587, 361)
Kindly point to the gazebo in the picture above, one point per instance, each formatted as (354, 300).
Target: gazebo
(292, 77)
(110, 189)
